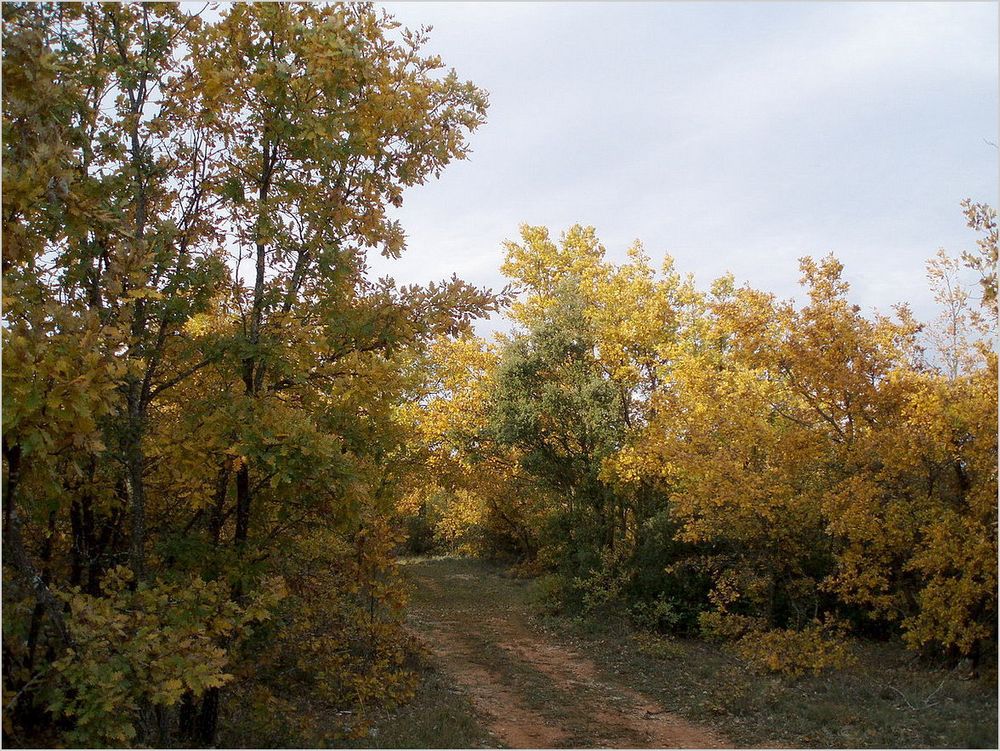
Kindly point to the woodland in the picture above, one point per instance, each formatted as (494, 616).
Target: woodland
(220, 435)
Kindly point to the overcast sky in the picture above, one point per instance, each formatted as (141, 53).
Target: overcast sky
(736, 136)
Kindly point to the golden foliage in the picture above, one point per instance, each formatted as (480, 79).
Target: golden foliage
(801, 461)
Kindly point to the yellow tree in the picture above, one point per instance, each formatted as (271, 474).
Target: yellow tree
(920, 526)
(169, 410)
(465, 485)
(600, 340)
(761, 416)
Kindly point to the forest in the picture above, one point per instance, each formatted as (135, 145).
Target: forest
(221, 435)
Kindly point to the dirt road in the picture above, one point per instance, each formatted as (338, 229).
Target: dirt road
(531, 690)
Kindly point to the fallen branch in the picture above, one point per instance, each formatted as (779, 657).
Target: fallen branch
(893, 688)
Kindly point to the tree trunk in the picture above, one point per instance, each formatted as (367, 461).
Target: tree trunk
(218, 512)
(135, 484)
(208, 719)
(242, 505)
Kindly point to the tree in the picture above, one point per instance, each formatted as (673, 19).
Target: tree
(959, 326)
(165, 409)
(983, 218)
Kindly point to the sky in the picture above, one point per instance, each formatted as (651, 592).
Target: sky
(735, 136)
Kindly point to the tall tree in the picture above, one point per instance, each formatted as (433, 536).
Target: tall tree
(322, 133)
(170, 407)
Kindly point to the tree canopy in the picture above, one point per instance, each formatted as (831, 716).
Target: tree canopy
(220, 431)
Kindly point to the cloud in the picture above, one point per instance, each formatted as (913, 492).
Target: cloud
(735, 136)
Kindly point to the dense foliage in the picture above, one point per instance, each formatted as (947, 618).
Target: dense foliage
(200, 379)
(727, 463)
(218, 429)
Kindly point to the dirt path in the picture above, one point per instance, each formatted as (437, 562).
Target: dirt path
(532, 691)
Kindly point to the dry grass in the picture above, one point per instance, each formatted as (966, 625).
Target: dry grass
(887, 700)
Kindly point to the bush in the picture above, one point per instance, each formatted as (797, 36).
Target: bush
(663, 615)
(794, 652)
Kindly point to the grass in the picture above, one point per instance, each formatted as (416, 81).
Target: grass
(888, 699)
(439, 716)
(464, 591)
